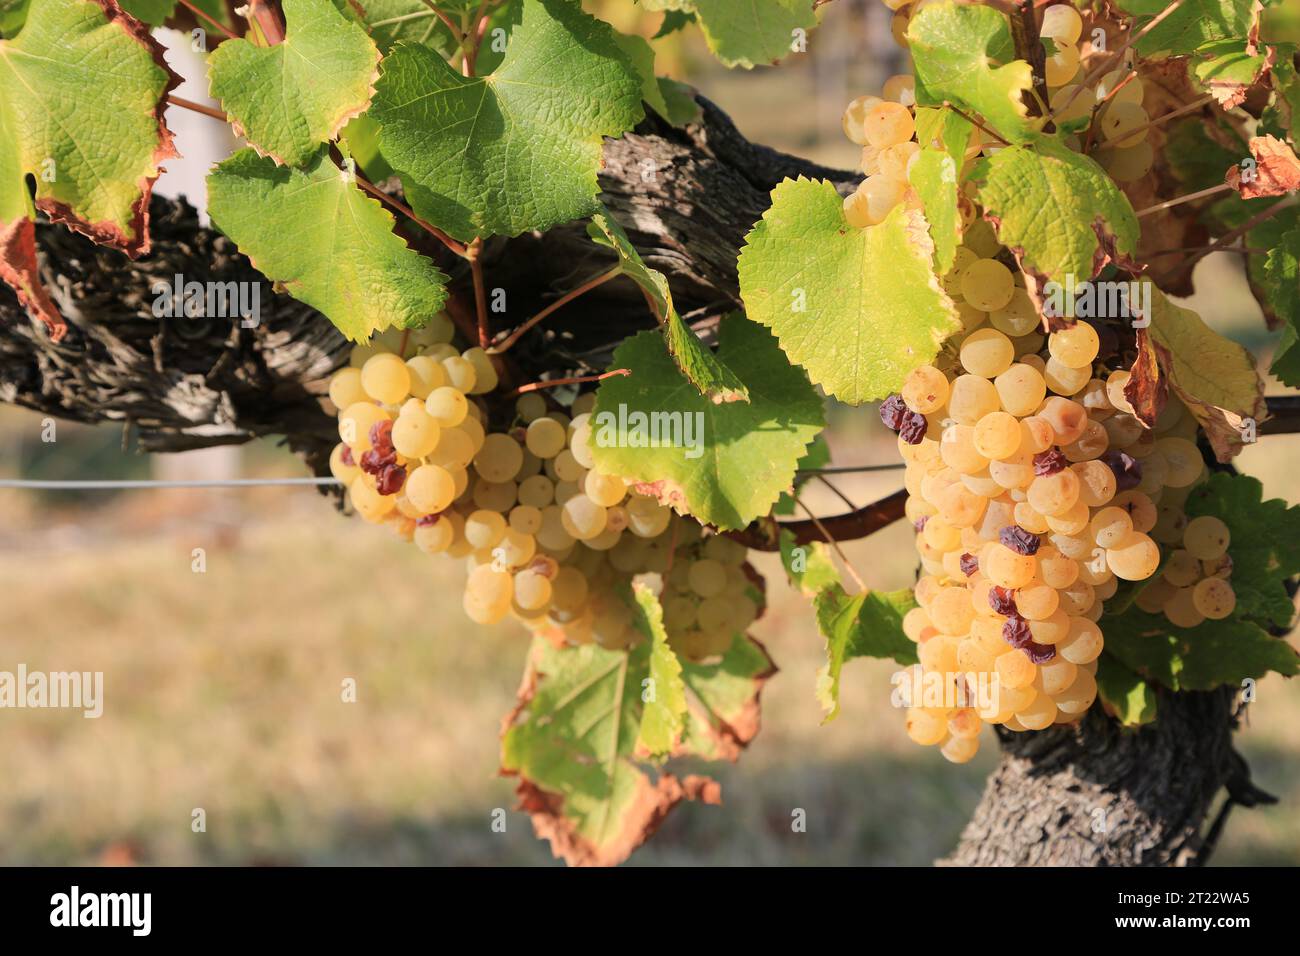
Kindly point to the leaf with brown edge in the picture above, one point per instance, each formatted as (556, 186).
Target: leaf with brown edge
(1148, 388)
(1214, 376)
(571, 740)
(19, 271)
(1276, 172)
(724, 708)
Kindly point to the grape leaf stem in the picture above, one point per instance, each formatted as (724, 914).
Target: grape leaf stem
(573, 380)
(216, 114)
(1179, 200)
(474, 252)
(457, 247)
(450, 24)
(1228, 238)
(563, 300)
(974, 122)
(207, 16)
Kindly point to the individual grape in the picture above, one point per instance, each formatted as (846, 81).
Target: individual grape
(898, 28)
(1021, 389)
(1154, 470)
(926, 726)
(385, 378)
(1110, 526)
(454, 451)
(494, 496)
(1083, 643)
(530, 406)
(1182, 570)
(415, 433)
(583, 518)
(483, 529)
(1077, 598)
(485, 373)
(434, 536)
(1207, 538)
(545, 438)
(1062, 65)
(1068, 419)
(987, 353)
(1181, 609)
(959, 749)
(460, 372)
(706, 577)
(426, 375)
(605, 490)
(1124, 123)
(525, 519)
(1078, 697)
(1071, 521)
(895, 162)
(1183, 459)
(939, 654)
(1054, 494)
(872, 201)
(447, 406)
(488, 594)
(1062, 24)
(1074, 346)
(1068, 104)
(369, 503)
(1036, 434)
(430, 489)
(997, 435)
(1096, 482)
(1214, 597)
(916, 623)
(961, 507)
(958, 450)
(987, 284)
(1052, 629)
(951, 611)
(515, 549)
(1218, 568)
(1006, 568)
(970, 398)
(567, 467)
(355, 424)
(537, 491)
(1116, 382)
(1126, 164)
(1056, 569)
(855, 117)
(345, 388)
(553, 534)
(1064, 380)
(1139, 507)
(343, 465)
(971, 317)
(886, 124)
(1029, 519)
(473, 429)
(1134, 558)
(1037, 601)
(1056, 675)
(900, 88)
(500, 458)
(1015, 669)
(532, 590)
(925, 389)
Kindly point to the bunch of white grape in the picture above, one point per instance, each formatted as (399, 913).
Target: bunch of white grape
(885, 129)
(548, 539)
(1194, 584)
(1035, 491)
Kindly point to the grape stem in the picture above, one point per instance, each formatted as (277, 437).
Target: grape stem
(1228, 238)
(765, 535)
(471, 50)
(450, 24)
(563, 300)
(207, 16)
(1107, 61)
(183, 103)
(473, 253)
(457, 247)
(974, 122)
(1199, 194)
(575, 380)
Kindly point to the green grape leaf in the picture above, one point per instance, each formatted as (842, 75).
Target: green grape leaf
(862, 625)
(808, 566)
(571, 742)
(1199, 159)
(943, 129)
(697, 362)
(1209, 655)
(679, 99)
(1281, 283)
(747, 33)
(723, 701)
(518, 149)
(934, 177)
(673, 21)
(1227, 69)
(642, 57)
(289, 98)
(390, 22)
(726, 464)
(817, 456)
(1264, 547)
(157, 12)
(664, 696)
(963, 54)
(1214, 376)
(858, 308)
(82, 88)
(329, 244)
(13, 14)
(1124, 694)
(1057, 210)
(1190, 26)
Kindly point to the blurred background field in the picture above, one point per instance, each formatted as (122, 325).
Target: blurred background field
(223, 688)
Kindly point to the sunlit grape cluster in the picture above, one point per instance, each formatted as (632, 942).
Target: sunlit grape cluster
(1035, 491)
(548, 539)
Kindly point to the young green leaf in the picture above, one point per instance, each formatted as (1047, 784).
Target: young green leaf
(1228, 69)
(934, 177)
(808, 566)
(862, 625)
(81, 94)
(746, 33)
(1191, 25)
(963, 54)
(571, 741)
(332, 246)
(696, 361)
(663, 692)
(858, 308)
(1057, 210)
(1280, 281)
(723, 463)
(289, 98)
(1214, 376)
(1124, 694)
(1265, 543)
(518, 149)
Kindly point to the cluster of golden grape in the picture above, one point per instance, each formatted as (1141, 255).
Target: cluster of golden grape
(548, 539)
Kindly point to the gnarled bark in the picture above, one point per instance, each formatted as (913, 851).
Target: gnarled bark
(686, 197)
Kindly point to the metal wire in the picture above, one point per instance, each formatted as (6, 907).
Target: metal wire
(130, 484)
